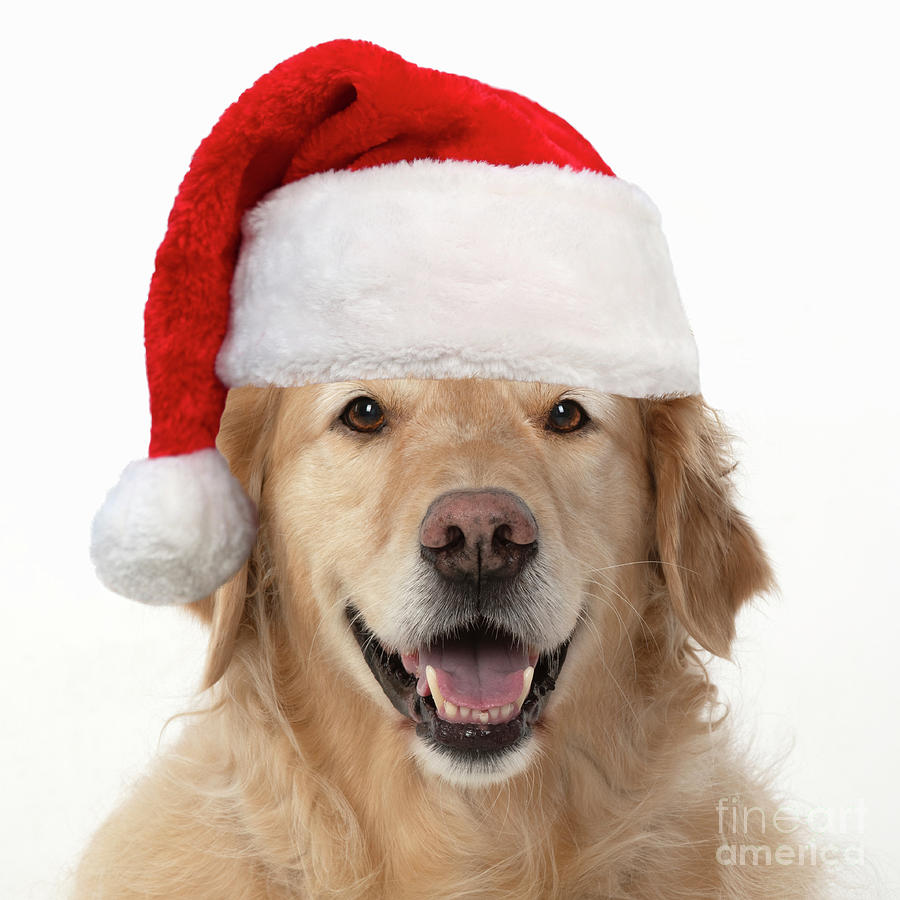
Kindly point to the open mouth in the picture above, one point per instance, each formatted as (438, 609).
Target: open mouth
(476, 691)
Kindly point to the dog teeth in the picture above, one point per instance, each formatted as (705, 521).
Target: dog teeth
(431, 677)
(453, 713)
(526, 686)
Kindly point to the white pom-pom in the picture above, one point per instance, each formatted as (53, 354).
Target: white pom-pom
(173, 529)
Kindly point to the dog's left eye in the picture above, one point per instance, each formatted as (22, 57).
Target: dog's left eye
(566, 416)
(363, 414)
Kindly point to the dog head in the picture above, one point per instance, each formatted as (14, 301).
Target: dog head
(455, 550)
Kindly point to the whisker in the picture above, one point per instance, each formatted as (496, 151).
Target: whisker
(648, 562)
(624, 628)
(591, 626)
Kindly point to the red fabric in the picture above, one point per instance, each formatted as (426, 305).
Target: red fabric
(344, 104)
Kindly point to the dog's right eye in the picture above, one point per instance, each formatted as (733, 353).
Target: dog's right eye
(363, 414)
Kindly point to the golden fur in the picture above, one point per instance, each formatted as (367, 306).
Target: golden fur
(299, 779)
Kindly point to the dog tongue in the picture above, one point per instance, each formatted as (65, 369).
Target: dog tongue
(478, 672)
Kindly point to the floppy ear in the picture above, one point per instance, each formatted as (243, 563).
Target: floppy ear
(712, 560)
(244, 441)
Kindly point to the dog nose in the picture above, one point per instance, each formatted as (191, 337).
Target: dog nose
(468, 534)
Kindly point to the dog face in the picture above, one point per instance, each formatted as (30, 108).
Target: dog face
(456, 548)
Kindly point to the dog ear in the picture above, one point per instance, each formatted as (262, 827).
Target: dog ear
(711, 558)
(244, 441)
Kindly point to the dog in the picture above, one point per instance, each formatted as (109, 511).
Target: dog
(465, 658)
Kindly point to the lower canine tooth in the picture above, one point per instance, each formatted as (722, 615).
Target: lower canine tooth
(431, 675)
(526, 686)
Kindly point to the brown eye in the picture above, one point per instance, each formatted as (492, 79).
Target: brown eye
(363, 414)
(566, 416)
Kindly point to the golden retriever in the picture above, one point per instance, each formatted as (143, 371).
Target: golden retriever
(463, 660)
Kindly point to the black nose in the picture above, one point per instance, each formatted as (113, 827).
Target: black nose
(478, 534)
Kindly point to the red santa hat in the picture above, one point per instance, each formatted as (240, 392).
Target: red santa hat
(354, 216)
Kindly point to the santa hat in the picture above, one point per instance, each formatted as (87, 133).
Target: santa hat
(354, 216)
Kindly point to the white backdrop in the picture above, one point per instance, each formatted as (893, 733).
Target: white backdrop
(766, 133)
